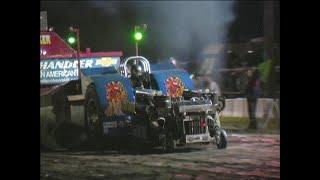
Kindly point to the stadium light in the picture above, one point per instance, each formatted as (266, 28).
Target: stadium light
(71, 40)
(138, 36)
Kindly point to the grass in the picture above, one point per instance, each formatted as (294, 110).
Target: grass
(240, 123)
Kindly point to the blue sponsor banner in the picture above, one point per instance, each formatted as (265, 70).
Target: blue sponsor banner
(54, 71)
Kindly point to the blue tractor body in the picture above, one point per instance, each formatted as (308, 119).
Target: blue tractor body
(165, 109)
(101, 77)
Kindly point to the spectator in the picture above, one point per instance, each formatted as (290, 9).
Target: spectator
(242, 82)
(253, 92)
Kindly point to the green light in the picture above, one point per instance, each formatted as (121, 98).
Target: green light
(138, 36)
(71, 40)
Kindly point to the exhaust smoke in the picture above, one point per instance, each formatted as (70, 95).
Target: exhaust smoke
(193, 31)
(190, 31)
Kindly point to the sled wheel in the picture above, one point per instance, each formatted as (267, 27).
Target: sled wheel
(66, 134)
(93, 115)
(221, 139)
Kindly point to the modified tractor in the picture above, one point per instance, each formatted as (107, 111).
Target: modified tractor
(126, 98)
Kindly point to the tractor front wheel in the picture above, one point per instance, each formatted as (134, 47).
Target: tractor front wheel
(221, 139)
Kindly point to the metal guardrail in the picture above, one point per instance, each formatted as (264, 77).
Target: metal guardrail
(244, 69)
(231, 94)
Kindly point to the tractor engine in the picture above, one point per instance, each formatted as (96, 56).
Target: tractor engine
(191, 118)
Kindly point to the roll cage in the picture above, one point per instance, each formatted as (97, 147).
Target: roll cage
(124, 66)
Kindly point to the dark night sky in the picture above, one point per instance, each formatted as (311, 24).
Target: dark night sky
(109, 27)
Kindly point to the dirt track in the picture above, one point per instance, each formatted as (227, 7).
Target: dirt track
(247, 157)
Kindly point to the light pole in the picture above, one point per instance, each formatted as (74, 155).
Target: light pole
(138, 35)
(137, 48)
(77, 31)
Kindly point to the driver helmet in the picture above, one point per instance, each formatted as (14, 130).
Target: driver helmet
(136, 70)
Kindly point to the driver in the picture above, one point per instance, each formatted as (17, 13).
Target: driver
(136, 76)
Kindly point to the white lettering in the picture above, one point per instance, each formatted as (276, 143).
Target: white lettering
(55, 73)
(43, 65)
(82, 64)
(51, 65)
(75, 64)
(59, 64)
(49, 74)
(58, 74)
(88, 64)
(61, 70)
(42, 74)
(67, 64)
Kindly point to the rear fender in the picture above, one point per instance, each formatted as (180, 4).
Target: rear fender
(165, 78)
(111, 88)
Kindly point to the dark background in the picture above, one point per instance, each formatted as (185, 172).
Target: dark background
(108, 26)
(21, 133)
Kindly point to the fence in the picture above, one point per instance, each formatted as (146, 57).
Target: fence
(265, 108)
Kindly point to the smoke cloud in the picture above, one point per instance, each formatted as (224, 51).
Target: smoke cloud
(189, 27)
(190, 21)
(109, 8)
(182, 29)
